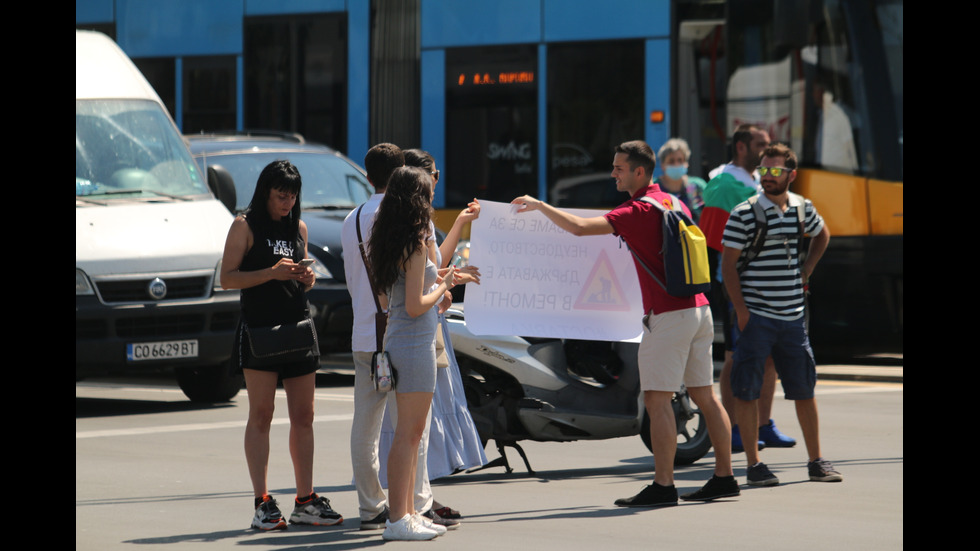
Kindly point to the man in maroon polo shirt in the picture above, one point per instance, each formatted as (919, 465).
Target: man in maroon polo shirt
(677, 332)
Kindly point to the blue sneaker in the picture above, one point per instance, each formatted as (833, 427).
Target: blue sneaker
(773, 438)
(737, 446)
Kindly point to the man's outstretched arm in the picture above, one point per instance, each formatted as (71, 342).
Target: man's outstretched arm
(575, 225)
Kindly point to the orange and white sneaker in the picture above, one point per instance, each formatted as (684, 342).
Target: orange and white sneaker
(268, 516)
(315, 511)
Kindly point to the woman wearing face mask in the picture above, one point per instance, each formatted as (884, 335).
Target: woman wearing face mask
(673, 157)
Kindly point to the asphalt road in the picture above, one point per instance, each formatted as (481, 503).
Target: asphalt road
(152, 469)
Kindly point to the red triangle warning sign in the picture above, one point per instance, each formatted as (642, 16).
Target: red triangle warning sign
(602, 290)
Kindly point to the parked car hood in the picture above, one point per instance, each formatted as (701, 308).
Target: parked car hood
(138, 237)
(324, 227)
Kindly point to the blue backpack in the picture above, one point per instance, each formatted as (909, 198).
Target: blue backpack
(685, 251)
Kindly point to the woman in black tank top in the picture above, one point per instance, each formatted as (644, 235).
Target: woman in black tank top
(262, 258)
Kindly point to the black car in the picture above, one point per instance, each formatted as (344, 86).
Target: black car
(332, 186)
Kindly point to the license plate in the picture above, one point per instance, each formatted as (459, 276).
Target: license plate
(165, 350)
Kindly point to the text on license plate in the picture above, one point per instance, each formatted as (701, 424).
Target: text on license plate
(161, 350)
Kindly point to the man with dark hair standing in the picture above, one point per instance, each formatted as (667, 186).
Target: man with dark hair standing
(767, 296)
(369, 404)
(730, 185)
(677, 332)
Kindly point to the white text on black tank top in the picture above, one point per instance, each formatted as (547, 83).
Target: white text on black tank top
(281, 247)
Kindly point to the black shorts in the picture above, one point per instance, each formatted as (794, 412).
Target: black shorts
(286, 370)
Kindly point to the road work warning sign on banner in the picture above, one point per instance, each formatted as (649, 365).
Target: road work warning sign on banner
(538, 280)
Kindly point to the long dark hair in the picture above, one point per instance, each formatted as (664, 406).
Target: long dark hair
(283, 176)
(401, 225)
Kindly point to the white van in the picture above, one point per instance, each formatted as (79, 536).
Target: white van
(149, 236)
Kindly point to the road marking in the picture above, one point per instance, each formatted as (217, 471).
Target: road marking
(198, 426)
(824, 388)
(280, 393)
(857, 387)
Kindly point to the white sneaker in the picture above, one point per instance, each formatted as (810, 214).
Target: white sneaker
(440, 530)
(406, 529)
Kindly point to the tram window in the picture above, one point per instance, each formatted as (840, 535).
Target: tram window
(833, 129)
(491, 124)
(809, 94)
(851, 84)
(595, 102)
(890, 18)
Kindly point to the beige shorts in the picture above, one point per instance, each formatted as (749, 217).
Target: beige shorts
(676, 348)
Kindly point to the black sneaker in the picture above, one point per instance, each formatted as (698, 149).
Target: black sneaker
(377, 523)
(760, 475)
(316, 512)
(822, 470)
(268, 516)
(433, 516)
(716, 487)
(446, 512)
(653, 495)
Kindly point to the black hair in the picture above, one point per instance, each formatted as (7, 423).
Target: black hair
(743, 134)
(278, 175)
(419, 158)
(380, 161)
(638, 153)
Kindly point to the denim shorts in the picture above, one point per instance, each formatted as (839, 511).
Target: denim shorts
(788, 344)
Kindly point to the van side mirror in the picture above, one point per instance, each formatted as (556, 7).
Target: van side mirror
(223, 186)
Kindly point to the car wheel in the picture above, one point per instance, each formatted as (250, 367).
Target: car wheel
(209, 383)
(693, 441)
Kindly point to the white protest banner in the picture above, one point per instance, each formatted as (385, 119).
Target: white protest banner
(538, 280)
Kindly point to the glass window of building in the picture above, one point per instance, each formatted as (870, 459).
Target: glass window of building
(210, 96)
(162, 76)
(296, 75)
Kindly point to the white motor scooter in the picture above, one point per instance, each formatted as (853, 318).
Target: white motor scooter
(522, 388)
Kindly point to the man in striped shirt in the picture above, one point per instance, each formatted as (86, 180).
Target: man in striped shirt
(731, 184)
(768, 299)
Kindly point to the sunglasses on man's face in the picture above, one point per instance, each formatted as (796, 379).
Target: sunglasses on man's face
(435, 175)
(776, 171)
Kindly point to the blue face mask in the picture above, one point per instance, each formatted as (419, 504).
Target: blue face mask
(675, 172)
